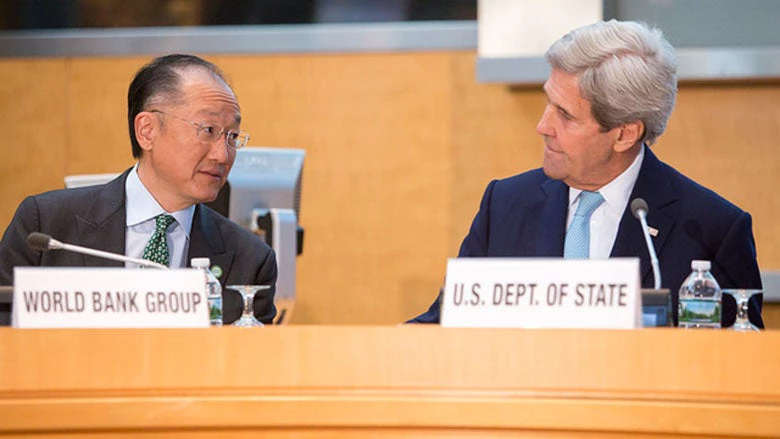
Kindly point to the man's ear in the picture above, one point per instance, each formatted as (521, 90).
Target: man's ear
(629, 135)
(147, 128)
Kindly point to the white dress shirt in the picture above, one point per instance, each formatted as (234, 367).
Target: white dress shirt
(606, 218)
(142, 208)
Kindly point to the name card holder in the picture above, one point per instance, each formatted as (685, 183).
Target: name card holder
(542, 293)
(79, 297)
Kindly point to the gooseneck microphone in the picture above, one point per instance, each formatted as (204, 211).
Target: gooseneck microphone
(43, 242)
(639, 210)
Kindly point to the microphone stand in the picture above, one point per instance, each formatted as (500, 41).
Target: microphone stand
(642, 214)
(43, 242)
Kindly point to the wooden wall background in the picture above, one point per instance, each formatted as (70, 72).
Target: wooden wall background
(399, 149)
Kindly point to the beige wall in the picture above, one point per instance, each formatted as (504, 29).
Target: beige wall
(399, 149)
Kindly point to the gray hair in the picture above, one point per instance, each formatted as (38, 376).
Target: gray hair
(626, 70)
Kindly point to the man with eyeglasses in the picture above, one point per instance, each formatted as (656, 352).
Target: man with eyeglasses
(184, 123)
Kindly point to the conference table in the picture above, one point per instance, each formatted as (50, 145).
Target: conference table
(388, 382)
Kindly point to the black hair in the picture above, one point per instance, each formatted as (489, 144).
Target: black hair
(160, 77)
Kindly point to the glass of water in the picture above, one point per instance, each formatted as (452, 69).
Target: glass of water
(248, 319)
(742, 297)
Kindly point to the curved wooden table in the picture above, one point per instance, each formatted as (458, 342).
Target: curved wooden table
(386, 382)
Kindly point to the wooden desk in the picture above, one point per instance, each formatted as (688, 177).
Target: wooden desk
(387, 382)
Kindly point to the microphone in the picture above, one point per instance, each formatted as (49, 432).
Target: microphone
(639, 210)
(43, 242)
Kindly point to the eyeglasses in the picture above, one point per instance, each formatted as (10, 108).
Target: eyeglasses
(210, 133)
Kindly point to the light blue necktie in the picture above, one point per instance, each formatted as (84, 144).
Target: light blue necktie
(577, 245)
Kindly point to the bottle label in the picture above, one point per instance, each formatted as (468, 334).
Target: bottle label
(215, 307)
(699, 311)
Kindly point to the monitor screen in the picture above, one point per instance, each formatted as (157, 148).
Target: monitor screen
(261, 178)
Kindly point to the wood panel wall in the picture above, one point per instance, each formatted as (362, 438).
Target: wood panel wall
(399, 148)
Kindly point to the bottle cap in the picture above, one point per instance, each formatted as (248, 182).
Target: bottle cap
(200, 262)
(701, 265)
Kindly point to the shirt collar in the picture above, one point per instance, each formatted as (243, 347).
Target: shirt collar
(141, 205)
(617, 191)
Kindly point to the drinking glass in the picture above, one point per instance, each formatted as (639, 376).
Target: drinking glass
(248, 292)
(742, 297)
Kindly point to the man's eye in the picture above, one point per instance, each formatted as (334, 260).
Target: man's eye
(232, 135)
(208, 130)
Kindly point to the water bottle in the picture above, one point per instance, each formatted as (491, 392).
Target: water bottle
(213, 290)
(699, 298)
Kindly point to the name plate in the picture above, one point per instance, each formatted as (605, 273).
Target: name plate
(58, 297)
(542, 293)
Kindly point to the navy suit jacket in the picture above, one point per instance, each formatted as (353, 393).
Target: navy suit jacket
(95, 217)
(525, 216)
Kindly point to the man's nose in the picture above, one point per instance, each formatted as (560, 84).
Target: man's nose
(218, 150)
(543, 127)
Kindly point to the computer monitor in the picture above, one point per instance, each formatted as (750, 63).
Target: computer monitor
(261, 178)
(263, 195)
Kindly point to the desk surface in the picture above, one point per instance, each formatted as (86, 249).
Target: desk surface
(390, 382)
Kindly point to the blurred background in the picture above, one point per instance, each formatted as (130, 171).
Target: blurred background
(55, 14)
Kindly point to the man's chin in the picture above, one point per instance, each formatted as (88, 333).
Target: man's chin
(208, 196)
(211, 192)
(551, 172)
(208, 199)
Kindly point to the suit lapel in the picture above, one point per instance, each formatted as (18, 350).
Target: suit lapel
(545, 228)
(653, 185)
(103, 225)
(206, 242)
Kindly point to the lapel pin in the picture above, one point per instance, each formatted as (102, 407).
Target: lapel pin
(217, 271)
(653, 232)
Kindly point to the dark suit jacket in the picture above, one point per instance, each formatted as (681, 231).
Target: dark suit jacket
(525, 216)
(95, 217)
